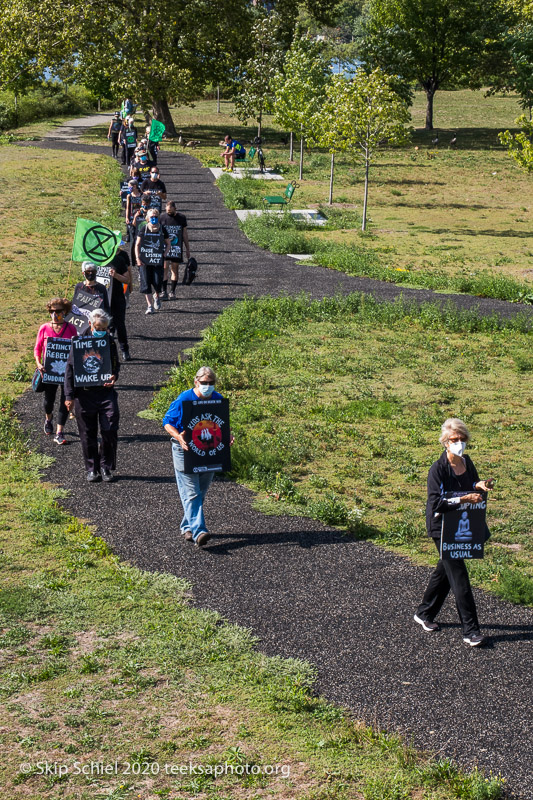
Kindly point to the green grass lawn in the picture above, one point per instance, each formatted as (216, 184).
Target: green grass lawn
(337, 408)
(100, 662)
(461, 215)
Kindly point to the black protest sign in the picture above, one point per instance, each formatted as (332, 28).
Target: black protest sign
(92, 360)
(464, 531)
(207, 433)
(55, 359)
(124, 184)
(155, 201)
(151, 247)
(175, 234)
(103, 276)
(83, 303)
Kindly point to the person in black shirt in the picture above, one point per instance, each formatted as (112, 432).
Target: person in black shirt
(113, 133)
(452, 480)
(121, 277)
(128, 139)
(154, 184)
(176, 226)
(152, 246)
(98, 404)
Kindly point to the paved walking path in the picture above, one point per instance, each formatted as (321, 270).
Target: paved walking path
(304, 589)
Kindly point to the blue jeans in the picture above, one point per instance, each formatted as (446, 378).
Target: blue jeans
(192, 489)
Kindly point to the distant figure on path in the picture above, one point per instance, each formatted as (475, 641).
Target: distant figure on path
(452, 480)
(113, 133)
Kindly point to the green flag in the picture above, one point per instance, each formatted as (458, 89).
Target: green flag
(157, 130)
(94, 242)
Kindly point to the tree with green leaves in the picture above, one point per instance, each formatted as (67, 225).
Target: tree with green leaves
(162, 52)
(514, 65)
(520, 145)
(300, 88)
(359, 116)
(254, 84)
(438, 43)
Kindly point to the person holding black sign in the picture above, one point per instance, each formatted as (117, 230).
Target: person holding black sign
(192, 487)
(176, 225)
(97, 404)
(156, 187)
(128, 139)
(452, 481)
(90, 285)
(152, 246)
(59, 328)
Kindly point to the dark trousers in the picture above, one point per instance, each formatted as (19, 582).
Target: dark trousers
(93, 406)
(130, 152)
(450, 574)
(152, 152)
(49, 398)
(150, 275)
(124, 153)
(119, 325)
(114, 144)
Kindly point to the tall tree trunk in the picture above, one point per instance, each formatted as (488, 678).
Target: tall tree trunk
(218, 99)
(330, 201)
(367, 165)
(301, 157)
(161, 113)
(259, 120)
(291, 148)
(99, 104)
(430, 94)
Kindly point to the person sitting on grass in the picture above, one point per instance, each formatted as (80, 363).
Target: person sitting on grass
(234, 152)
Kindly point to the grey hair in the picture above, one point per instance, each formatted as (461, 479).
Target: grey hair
(206, 371)
(453, 425)
(98, 315)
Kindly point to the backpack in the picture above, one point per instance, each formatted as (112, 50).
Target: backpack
(189, 273)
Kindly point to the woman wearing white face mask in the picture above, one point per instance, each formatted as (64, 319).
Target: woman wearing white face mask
(452, 480)
(193, 487)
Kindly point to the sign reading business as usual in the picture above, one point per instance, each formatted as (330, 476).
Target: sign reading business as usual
(464, 531)
(207, 433)
(55, 359)
(92, 361)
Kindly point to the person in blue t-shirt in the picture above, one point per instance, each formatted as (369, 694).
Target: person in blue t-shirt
(234, 152)
(192, 487)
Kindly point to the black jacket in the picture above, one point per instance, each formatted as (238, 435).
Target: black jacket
(71, 391)
(444, 491)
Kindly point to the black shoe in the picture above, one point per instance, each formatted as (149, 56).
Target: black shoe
(48, 427)
(107, 477)
(126, 355)
(93, 477)
(429, 627)
(475, 639)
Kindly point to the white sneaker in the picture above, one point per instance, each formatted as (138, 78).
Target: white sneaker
(171, 296)
(157, 303)
(149, 310)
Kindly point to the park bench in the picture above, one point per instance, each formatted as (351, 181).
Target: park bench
(281, 200)
(248, 159)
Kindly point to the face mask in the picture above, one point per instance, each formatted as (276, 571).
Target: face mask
(206, 390)
(143, 159)
(90, 276)
(457, 448)
(154, 220)
(99, 334)
(154, 176)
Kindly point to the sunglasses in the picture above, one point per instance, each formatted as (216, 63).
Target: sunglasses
(206, 383)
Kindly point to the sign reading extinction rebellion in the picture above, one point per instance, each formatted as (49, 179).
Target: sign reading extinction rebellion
(207, 432)
(55, 359)
(92, 361)
(464, 531)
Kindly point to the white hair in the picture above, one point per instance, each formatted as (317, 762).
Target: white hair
(99, 315)
(453, 425)
(206, 371)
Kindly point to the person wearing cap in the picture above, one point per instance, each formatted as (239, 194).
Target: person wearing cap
(192, 487)
(57, 328)
(152, 246)
(156, 187)
(96, 405)
(113, 133)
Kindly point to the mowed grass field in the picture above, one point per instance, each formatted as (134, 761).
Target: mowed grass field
(101, 664)
(448, 209)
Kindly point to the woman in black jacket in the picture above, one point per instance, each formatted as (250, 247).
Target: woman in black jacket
(452, 480)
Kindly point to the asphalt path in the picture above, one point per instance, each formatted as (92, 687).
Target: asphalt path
(304, 589)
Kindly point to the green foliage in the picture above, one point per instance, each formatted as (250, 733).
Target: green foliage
(439, 44)
(43, 102)
(300, 86)
(279, 233)
(358, 116)
(520, 145)
(254, 84)
(245, 193)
